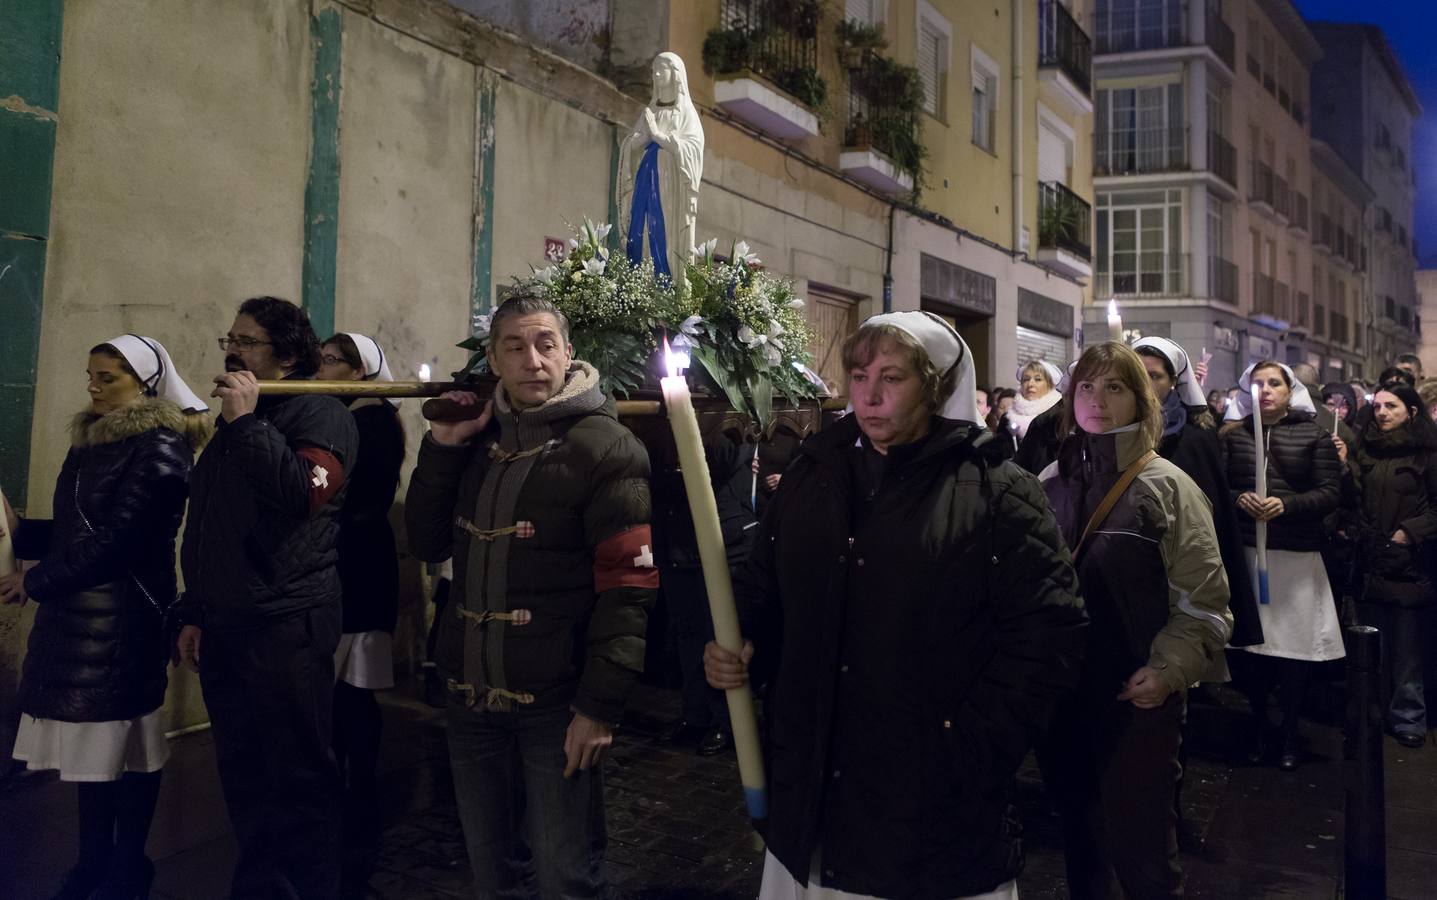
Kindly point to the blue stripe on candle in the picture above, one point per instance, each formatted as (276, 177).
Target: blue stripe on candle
(757, 801)
(1262, 591)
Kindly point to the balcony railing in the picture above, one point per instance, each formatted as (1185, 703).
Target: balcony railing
(1141, 151)
(1123, 26)
(1263, 188)
(1220, 37)
(1063, 44)
(778, 41)
(1065, 220)
(1153, 274)
(1299, 211)
(1322, 235)
(1222, 279)
(1282, 197)
(1304, 309)
(1264, 295)
(1282, 301)
(878, 117)
(1222, 158)
(1339, 329)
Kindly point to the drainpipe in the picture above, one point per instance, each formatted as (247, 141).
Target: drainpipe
(888, 263)
(1017, 106)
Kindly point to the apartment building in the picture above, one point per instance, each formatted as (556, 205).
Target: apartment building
(1365, 110)
(1427, 298)
(1330, 328)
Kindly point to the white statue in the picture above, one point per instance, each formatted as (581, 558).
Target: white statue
(659, 187)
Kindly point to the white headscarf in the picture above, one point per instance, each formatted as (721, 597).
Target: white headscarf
(1186, 384)
(946, 350)
(152, 363)
(371, 356)
(1242, 408)
(687, 125)
(1055, 375)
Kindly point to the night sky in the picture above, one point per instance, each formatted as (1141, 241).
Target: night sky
(1411, 29)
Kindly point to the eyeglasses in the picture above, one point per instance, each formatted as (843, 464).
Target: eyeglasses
(240, 343)
(329, 360)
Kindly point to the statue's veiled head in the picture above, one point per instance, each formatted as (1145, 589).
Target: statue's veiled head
(670, 78)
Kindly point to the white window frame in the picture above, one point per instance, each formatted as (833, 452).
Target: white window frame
(934, 20)
(987, 79)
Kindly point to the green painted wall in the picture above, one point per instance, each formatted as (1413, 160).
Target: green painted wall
(29, 100)
(321, 190)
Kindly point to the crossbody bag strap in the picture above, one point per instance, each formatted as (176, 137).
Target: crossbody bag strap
(1111, 499)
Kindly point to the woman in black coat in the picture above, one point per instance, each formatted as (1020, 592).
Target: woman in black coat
(1396, 454)
(912, 599)
(1299, 625)
(94, 673)
(369, 582)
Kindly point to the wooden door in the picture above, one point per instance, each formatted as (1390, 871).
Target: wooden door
(832, 319)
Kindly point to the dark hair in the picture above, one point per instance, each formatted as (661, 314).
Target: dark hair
(1348, 395)
(345, 343)
(1155, 353)
(111, 351)
(526, 304)
(1419, 423)
(1410, 358)
(996, 397)
(1395, 374)
(291, 336)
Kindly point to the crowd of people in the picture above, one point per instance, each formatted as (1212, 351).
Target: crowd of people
(933, 586)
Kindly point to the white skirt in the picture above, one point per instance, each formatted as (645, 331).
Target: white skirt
(365, 659)
(779, 885)
(93, 751)
(1301, 620)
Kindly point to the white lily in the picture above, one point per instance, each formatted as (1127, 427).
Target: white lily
(594, 266)
(481, 323)
(705, 251)
(742, 254)
(573, 243)
(546, 274)
(691, 325)
(796, 303)
(769, 344)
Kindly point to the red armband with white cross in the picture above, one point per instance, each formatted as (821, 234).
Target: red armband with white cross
(626, 559)
(326, 476)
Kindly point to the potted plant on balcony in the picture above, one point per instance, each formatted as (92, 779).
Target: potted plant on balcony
(857, 43)
(890, 122)
(1058, 222)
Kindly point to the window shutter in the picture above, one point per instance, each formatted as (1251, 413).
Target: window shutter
(930, 43)
(1052, 156)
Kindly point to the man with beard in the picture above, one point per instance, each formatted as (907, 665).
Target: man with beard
(262, 602)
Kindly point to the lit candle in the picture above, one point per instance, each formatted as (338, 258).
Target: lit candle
(1261, 530)
(685, 425)
(1115, 322)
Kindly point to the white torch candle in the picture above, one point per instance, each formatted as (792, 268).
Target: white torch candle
(1261, 491)
(1115, 322)
(712, 555)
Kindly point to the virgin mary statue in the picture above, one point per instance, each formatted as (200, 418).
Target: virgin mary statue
(661, 164)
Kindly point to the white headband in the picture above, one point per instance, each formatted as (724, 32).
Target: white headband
(371, 356)
(1186, 382)
(946, 350)
(1242, 407)
(1056, 375)
(152, 363)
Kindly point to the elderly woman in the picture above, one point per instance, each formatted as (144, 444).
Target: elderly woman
(94, 674)
(369, 582)
(911, 598)
(1299, 624)
(1152, 579)
(1034, 419)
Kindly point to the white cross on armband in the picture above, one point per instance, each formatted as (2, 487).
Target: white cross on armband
(645, 559)
(321, 477)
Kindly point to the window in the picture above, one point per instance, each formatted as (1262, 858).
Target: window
(1139, 238)
(985, 99)
(934, 38)
(864, 12)
(1141, 129)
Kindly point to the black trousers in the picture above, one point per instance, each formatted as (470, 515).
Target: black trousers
(693, 628)
(1111, 768)
(270, 692)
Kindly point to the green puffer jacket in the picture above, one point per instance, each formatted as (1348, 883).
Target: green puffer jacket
(546, 515)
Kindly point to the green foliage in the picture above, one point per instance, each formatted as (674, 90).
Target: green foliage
(860, 36)
(891, 123)
(728, 50)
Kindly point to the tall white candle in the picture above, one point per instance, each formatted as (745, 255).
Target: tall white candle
(704, 509)
(7, 544)
(1115, 322)
(1261, 485)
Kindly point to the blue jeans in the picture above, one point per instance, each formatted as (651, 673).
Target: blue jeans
(514, 802)
(1403, 692)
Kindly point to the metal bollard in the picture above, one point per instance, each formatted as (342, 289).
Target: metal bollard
(1365, 861)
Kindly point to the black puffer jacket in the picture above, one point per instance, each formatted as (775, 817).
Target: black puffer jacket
(100, 654)
(254, 551)
(1302, 470)
(1399, 491)
(915, 654)
(368, 566)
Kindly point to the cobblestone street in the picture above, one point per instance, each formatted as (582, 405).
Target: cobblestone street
(677, 828)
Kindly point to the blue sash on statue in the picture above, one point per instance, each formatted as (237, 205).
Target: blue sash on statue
(648, 211)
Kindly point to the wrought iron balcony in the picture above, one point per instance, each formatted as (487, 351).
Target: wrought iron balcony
(1152, 274)
(1222, 279)
(1064, 45)
(1141, 151)
(1263, 189)
(883, 118)
(1126, 26)
(1222, 158)
(1065, 220)
(776, 40)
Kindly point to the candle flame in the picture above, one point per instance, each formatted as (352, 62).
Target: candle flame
(1112, 307)
(674, 362)
(424, 372)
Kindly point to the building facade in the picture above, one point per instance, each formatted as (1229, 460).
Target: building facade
(1365, 110)
(1330, 329)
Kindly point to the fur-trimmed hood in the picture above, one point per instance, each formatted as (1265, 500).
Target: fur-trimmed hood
(91, 430)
